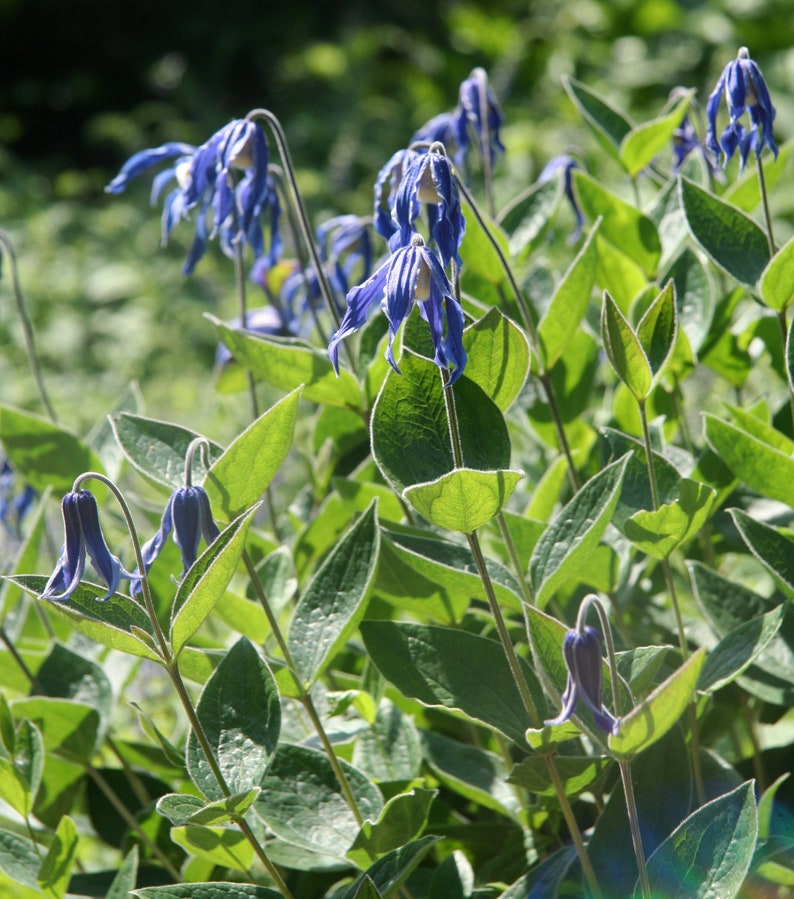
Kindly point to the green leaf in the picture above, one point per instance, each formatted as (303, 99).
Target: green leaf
(109, 622)
(710, 852)
(498, 357)
(242, 474)
(574, 533)
(227, 847)
(471, 772)
(609, 124)
(527, 217)
(410, 434)
(20, 775)
(625, 352)
(738, 649)
(206, 580)
(390, 872)
(658, 533)
(444, 667)
(693, 295)
(333, 603)
(68, 728)
(463, 500)
(745, 191)
(302, 803)
(214, 890)
(657, 330)
(777, 290)
(771, 546)
(762, 467)
(53, 878)
(623, 225)
(650, 720)
(642, 143)
(478, 251)
(19, 858)
(240, 713)
(402, 819)
(183, 808)
(732, 239)
(790, 356)
(288, 363)
(44, 453)
(157, 449)
(126, 877)
(389, 750)
(577, 774)
(568, 303)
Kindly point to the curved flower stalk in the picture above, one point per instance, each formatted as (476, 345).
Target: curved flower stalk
(207, 180)
(411, 274)
(83, 534)
(744, 89)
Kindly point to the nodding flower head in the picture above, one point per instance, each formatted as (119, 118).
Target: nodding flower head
(429, 181)
(83, 534)
(189, 515)
(582, 652)
(744, 89)
(411, 274)
(227, 174)
(479, 109)
(565, 164)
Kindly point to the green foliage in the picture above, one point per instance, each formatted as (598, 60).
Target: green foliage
(369, 684)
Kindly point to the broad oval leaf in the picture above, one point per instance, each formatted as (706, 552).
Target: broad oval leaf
(610, 125)
(288, 363)
(464, 500)
(46, 454)
(657, 330)
(302, 803)
(157, 449)
(732, 239)
(643, 142)
(575, 531)
(777, 287)
(240, 713)
(444, 667)
(772, 547)
(410, 433)
(650, 720)
(498, 357)
(240, 476)
(333, 603)
(212, 890)
(709, 853)
(625, 352)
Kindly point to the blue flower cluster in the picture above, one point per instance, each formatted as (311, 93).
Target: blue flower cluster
(744, 89)
(227, 175)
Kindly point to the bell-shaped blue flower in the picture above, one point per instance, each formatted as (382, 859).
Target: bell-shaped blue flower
(479, 109)
(83, 534)
(189, 515)
(411, 274)
(744, 88)
(207, 181)
(581, 650)
(429, 182)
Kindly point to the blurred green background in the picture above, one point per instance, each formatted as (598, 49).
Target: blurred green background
(85, 84)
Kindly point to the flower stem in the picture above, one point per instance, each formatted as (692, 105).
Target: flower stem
(634, 824)
(239, 277)
(770, 237)
(303, 694)
(529, 324)
(27, 328)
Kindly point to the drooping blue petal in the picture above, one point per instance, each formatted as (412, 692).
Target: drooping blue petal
(401, 290)
(386, 186)
(154, 546)
(359, 301)
(106, 565)
(71, 564)
(144, 160)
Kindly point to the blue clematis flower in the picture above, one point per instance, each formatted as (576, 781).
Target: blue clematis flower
(429, 181)
(565, 164)
(83, 534)
(189, 515)
(745, 90)
(411, 274)
(582, 652)
(206, 181)
(479, 109)
(14, 503)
